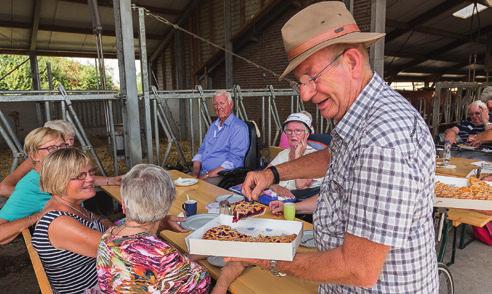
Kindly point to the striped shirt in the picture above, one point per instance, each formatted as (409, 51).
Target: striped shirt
(380, 186)
(67, 272)
(466, 128)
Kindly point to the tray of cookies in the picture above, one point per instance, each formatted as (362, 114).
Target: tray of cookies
(248, 238)
(468, 193)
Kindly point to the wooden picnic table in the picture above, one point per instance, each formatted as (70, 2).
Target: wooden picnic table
(252, 280)
(462, 169)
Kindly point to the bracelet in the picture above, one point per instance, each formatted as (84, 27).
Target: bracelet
(276, 176)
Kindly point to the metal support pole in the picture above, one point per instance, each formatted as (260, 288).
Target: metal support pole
(145, 84)
(10, 132)
(228, 44)
(124, 36)
(378, 23)
(203, 108)
(51, 88)
(156, 133)
(192, 130)
(80, 133)
(36, 85)
(16, 153)
(179, 72)
(263, 119)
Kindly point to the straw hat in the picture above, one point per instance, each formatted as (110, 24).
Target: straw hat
(318, 26)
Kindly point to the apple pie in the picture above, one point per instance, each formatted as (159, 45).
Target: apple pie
(245, 209)
(226, 233)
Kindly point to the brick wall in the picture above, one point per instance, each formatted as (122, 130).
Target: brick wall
(267, 50)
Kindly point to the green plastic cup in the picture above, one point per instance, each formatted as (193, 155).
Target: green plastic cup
(289, 211)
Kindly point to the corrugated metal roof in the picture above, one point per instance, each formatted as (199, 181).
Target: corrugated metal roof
(422, 35)
(65, 25)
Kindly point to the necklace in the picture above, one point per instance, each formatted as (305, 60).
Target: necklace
(126, 225)
(60, 200)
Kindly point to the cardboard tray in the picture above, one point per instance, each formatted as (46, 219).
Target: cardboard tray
(460, 203)
(250, 226)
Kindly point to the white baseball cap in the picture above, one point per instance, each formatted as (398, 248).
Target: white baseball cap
(300, 117)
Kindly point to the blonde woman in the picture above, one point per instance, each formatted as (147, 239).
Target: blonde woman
(68, 131)
(66, 236)
(22, 208)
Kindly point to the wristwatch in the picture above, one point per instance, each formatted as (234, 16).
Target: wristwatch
(272, 266)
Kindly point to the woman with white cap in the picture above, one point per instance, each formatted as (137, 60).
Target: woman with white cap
(297, 127)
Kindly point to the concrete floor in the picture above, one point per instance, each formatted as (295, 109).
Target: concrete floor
(472, 269)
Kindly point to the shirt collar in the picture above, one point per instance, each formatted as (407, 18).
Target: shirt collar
(227, 122)
(347, 127)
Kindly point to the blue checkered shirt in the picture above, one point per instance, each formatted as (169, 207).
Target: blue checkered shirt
(380, 186)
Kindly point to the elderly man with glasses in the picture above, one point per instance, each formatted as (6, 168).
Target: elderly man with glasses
(373, 218)
(477, 122)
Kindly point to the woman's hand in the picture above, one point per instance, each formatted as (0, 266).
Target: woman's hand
(301, 147)
(276, 207)
(170, 222)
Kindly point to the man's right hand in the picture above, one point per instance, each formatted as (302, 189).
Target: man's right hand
(256, 182)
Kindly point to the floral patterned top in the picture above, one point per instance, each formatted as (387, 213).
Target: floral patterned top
(144, 263)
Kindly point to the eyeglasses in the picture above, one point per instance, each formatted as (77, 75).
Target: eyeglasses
(289, 132)
(309, 81)
(52, 148)
(83, 175)
(474, 113)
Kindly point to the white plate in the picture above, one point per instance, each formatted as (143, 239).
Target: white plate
(217, 261)
(308, 239)
(197, 221)
(233, 199)
(183, 182)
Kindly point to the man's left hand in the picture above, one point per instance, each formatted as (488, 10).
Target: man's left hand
(170, 222)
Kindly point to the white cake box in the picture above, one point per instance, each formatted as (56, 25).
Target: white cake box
(460, 203)
(252, 227)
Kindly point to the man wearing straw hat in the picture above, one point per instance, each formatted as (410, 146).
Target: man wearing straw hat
(373, 220)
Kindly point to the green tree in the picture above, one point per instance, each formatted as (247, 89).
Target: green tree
(69, 73)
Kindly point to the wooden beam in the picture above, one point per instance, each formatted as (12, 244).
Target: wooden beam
(68, 29)
(35, 24)
(460, 59)
(62, 53)
(154, 9)
(439, 51)
(424, 17)
(426, 30)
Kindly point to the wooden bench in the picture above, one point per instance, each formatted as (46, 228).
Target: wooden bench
(44, 284)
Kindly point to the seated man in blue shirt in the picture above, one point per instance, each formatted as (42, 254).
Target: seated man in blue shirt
(225, 143)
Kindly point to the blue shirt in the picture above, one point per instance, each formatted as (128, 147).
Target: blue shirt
(224, 146)
(26, 199)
